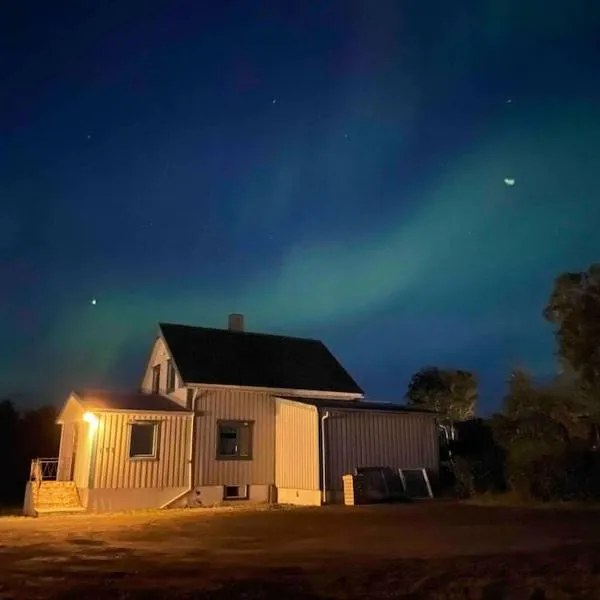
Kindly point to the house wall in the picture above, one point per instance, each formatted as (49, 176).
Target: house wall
(114, 469)
(211, 473)
(297, 453)
(377, 439)
(159, 356)
(120, 483)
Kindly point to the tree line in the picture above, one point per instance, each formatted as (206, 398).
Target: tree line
(24, 435)
(544, 442)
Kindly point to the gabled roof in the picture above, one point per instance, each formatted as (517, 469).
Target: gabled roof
(222, 357)
(357, 405)
(94, 400)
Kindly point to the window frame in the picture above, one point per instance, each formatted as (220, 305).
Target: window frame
(155, 428)
(235, 424)
(171, 383)
(244, 496)
(156, 379)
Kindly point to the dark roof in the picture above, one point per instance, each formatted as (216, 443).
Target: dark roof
(366, 405)
(224, 357)
(104, 400)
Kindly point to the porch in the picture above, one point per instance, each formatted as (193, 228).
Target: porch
(51, 488)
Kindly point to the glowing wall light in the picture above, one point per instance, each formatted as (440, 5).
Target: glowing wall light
(92, 420)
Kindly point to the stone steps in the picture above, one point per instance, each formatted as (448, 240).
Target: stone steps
(50, 497)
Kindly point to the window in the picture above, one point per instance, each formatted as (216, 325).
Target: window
(190, 398)
(170, 377)
(235, 492)
(142, 443)
(155, 379)
(234, 440)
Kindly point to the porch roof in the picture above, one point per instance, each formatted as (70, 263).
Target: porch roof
(94, 400)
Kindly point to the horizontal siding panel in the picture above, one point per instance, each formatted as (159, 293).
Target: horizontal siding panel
(369, 439)
(114, 469)
(297, 446)
(239, 405)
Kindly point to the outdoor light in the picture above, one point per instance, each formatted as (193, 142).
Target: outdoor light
(92, 419)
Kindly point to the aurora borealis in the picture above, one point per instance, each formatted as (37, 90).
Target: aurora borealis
(331, 171)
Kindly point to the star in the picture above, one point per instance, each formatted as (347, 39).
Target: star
(93, 301)
(509, 101)
(89, 137)
(274, 100)
(509, 181)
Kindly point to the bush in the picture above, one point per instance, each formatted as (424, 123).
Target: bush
(464, 482)
(540, 471)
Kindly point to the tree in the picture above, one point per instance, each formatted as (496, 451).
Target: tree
(450, 392)
(545, 432)
(561, 401)
(8, 439)
(24, 436)
(574, 308)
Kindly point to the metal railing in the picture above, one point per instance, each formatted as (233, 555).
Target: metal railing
(46, 469)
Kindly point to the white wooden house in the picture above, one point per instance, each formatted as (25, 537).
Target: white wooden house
(225, 414)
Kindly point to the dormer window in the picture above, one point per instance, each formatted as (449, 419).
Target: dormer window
(156, 379)
(170, 377)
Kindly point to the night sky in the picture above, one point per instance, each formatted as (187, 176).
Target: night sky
(329, 169)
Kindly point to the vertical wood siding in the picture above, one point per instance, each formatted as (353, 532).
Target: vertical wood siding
(113, 467)
(239, 405)
(297, 446)
(369, 439)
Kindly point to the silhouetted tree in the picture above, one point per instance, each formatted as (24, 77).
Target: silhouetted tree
(574, 308)
(24, 436)
(9, 425)
(450, 392)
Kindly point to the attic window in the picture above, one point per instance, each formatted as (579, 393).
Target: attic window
(234, 440)
(142, 442)
(155, 379)
(170, 377)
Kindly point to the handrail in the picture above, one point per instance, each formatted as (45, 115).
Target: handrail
(44, 469)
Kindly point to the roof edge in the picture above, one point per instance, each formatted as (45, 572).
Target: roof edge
(245, 332)
(378, 406)
(183, 411)
(296, 393)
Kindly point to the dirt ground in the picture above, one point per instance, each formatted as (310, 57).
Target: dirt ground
(416, 551)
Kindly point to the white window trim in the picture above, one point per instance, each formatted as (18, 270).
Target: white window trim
(148, 423)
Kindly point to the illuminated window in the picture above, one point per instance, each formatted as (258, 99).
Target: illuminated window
(234, 440)
(170, 377)
(155, 379)
(142, 442)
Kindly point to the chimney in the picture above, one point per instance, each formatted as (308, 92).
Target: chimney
(236, 322)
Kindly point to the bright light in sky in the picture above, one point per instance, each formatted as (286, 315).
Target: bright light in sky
(93, 301)
(508, 181)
